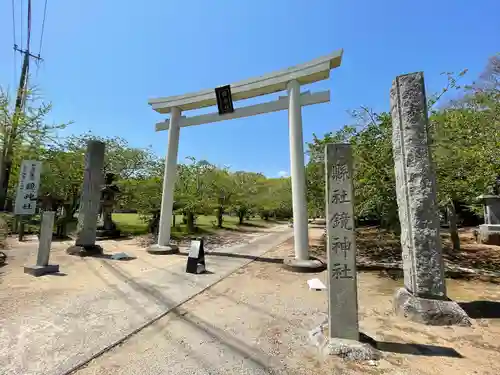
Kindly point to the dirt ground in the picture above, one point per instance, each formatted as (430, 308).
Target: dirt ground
(377, 248)
(257, 320)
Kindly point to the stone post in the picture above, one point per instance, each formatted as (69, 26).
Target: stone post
(341, 245)
(424, 297)
(90, 201)
(489, 232)
(42, 266)
(343, 337)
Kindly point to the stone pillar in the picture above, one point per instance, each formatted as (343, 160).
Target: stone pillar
(90, 201)
(42, 266)
(341, 245)
(424, 297)
(343, 337)
(301, 260)
(167, 200)
(489, 232)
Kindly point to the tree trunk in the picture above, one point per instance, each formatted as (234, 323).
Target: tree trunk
(452, 219)
(220, 219)
(173, 220)
(21, 229)
(4, 182)
(241, 216)
(190, 222)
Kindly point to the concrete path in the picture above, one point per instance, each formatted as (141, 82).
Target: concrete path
(65, 330)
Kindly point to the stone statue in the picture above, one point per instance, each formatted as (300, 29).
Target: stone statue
(109, 191)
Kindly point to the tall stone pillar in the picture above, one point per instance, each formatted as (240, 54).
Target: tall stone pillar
(423, 298)
(90, 201)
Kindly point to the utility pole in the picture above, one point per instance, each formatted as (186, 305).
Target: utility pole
(10, 135)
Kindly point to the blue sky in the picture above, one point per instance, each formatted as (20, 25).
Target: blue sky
(104, 59)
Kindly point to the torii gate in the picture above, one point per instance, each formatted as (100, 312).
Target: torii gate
(290, 79)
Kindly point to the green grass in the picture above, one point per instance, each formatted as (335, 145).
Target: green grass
(132, 224)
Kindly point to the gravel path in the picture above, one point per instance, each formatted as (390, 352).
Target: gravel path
(53, 323)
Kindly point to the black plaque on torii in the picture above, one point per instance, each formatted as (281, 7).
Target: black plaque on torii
(196, 257)
(224, 99)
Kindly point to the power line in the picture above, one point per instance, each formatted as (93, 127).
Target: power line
(29, 27)
(14, 21)
(41, 38)
(43, 27)
(22, 20)
(14, 38)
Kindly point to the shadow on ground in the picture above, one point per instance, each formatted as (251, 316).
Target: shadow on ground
(258, 358)
(482, 309)
(242, 256)
(411, 348)
(417, 349)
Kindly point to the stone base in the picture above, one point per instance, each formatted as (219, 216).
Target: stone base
(362, 350)
(84, 251)
(303, 266)
(429, 311)
(163, 250)
(351, 350)
(489, 234)
(41, 270)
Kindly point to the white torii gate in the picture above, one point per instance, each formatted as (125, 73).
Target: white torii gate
(290, 79)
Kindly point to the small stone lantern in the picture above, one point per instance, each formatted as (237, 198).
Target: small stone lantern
(489, 232)
(108, 228)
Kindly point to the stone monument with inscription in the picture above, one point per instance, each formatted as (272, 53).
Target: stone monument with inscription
(85, 243)
(423, 299)
(343, 337)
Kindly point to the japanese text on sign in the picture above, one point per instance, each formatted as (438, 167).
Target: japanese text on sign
(340, 246)
(340, 172)
(27, 190)
(341, 271)
(341, 220)
(339, 196)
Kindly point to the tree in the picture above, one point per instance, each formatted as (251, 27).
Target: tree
(465, 136)
(27, 128)
(120, 158)
(374, 186)
(193, 190)
(245, 197)
(221, 189)
(274, 198)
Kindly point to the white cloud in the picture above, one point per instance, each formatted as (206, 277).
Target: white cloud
(283, 174)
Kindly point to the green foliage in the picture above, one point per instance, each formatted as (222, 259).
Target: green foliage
(464, 135)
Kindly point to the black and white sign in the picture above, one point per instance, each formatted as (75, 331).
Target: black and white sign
(196, 258)
(224, 99)
(27, 190)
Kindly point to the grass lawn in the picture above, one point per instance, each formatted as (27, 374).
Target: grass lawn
(134, 225)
